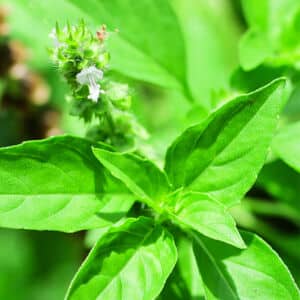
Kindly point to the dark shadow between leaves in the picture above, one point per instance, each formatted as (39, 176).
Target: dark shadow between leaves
(112, 217)
(177, 289)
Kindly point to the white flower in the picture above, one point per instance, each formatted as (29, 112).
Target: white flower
(90, 76)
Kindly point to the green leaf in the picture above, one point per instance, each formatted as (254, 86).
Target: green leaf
(286, 145)
(132, 262)
(222, 155)
(253, 273)
(142, 177)
(58, 184)
(207, 216)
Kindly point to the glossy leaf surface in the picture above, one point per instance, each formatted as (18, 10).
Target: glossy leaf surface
(58, 184)
(132, 261)
(209, 217)
(140, 175)
(253, 273)
(222, 155)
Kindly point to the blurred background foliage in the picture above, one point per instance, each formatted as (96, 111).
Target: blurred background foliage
(183, 58)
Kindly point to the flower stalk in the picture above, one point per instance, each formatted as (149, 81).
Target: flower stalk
(102, 102)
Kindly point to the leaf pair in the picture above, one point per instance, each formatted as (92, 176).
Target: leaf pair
(150, 185)
(209, 167)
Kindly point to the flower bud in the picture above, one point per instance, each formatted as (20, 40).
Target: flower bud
(82, 58)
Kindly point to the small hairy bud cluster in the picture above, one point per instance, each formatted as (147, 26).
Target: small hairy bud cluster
(83, 60)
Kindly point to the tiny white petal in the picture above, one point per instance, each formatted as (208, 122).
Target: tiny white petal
(89, 76)
(94, 92)
(90, 73)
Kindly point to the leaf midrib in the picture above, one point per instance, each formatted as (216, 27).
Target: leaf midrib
(260, 272)
(201, 244)
(211, 162)
(138, 246)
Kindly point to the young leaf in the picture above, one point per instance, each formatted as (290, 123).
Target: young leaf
(253, 273)
(207, 216)
(58, 184)
(286, 145)
(222, 156)
(141, 176)
(132, 262)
